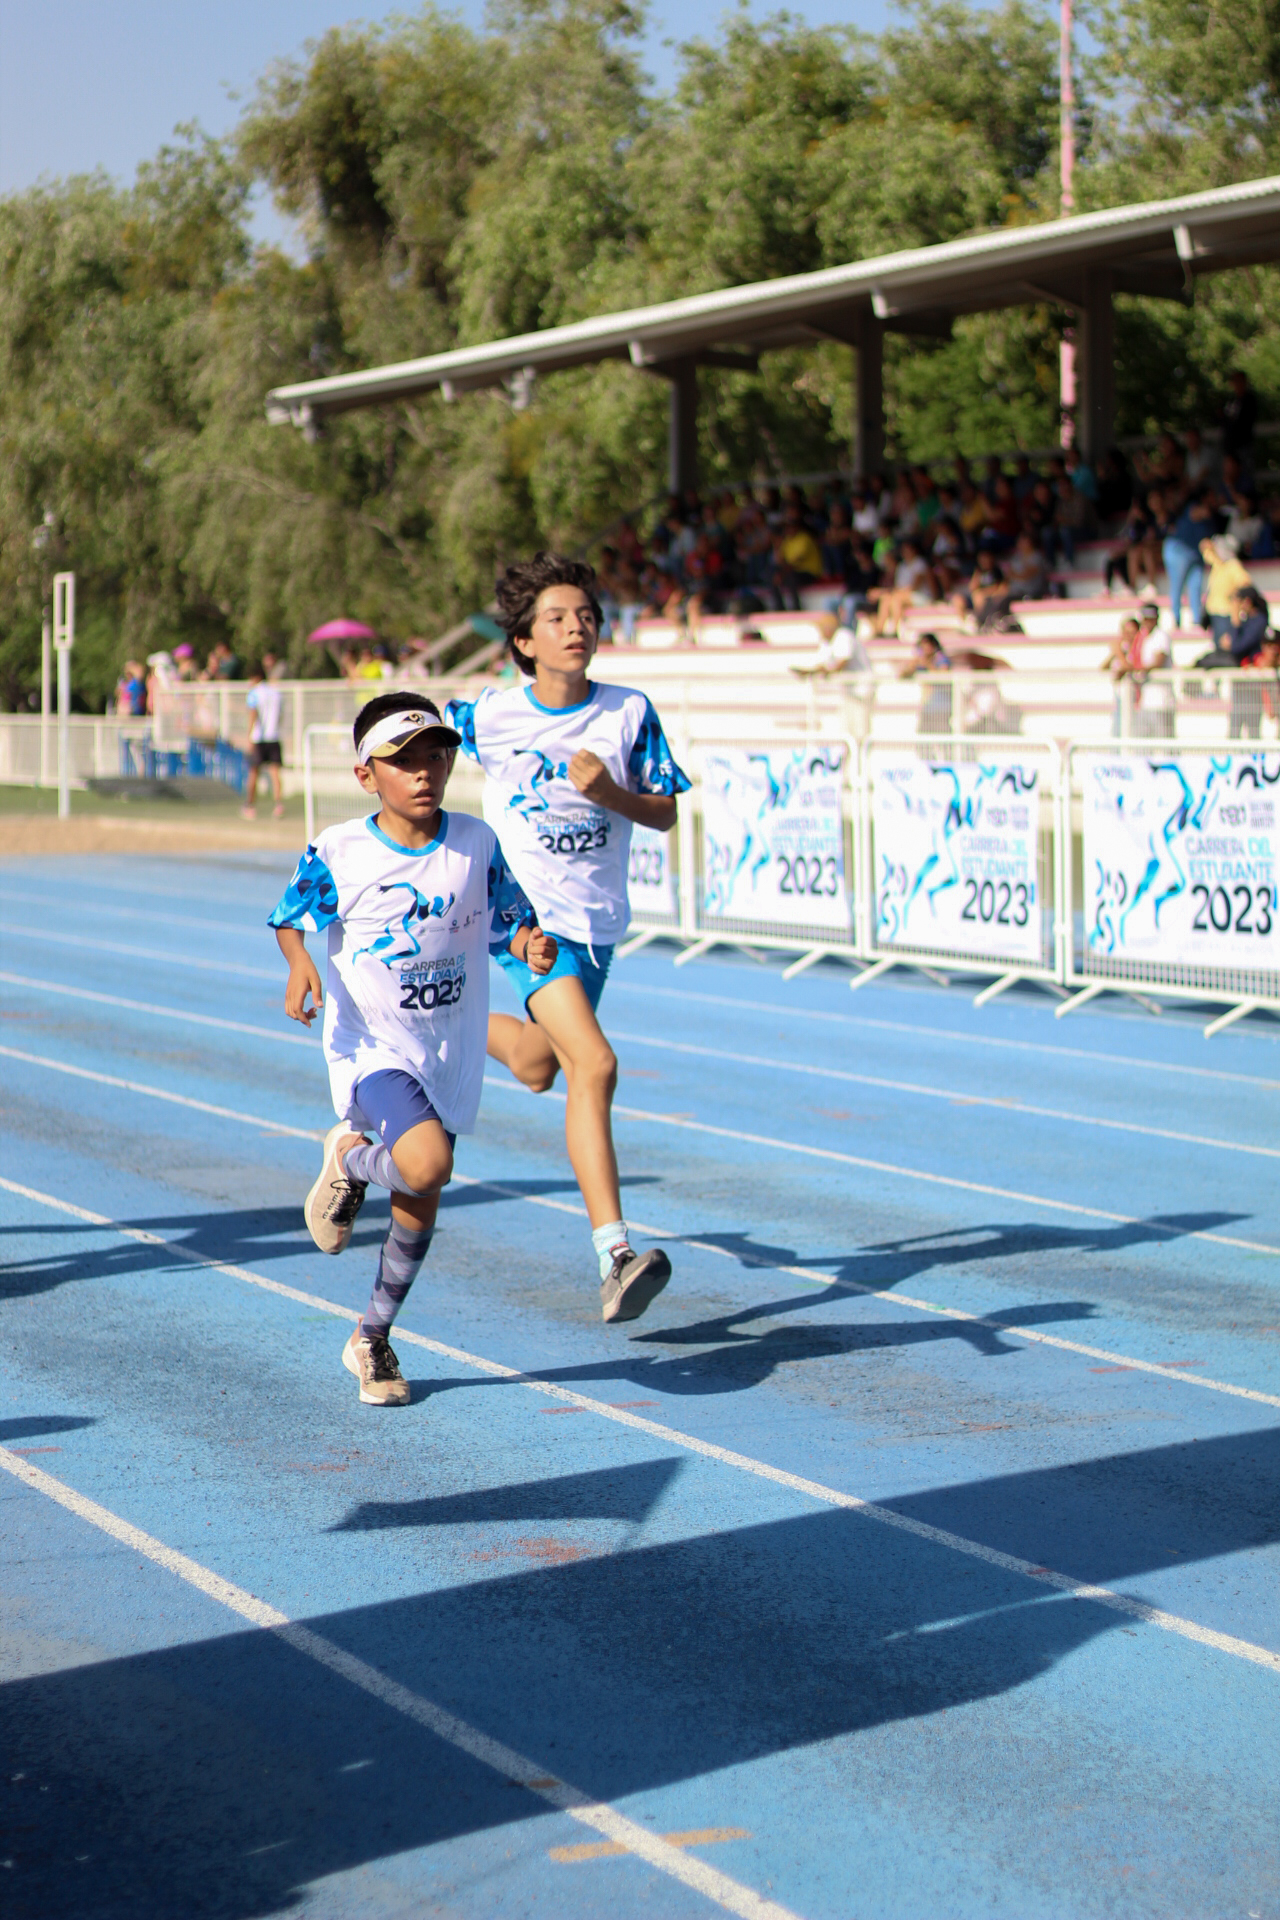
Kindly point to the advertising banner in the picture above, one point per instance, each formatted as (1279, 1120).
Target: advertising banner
(1180, 859)
(773, 838)
(955, 857)
(651, 882)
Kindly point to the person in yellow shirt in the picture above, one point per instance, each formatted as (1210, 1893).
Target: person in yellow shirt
(1226, 575)
(797, 560)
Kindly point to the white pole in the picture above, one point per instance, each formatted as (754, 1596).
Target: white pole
(64, 638)
(1066, 110)
(46, 694)
(64, 734)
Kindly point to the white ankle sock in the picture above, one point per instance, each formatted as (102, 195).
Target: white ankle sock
(607, 1240)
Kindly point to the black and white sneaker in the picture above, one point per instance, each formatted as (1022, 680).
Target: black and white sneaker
(331, 1207)
(635, 1280)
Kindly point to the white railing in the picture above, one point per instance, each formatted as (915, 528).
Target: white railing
(29, 748)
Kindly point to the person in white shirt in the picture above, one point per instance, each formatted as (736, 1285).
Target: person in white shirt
(839, 649)
(264, 701)
(413, 901)
(571, 764)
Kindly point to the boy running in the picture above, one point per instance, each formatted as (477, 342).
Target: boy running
(572, 765)
(414, 900)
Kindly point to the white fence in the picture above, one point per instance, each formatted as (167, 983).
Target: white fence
(29, 748)
(1127, 867)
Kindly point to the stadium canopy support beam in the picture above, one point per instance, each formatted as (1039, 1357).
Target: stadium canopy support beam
(868, 413)
(1096, 367)
(682, 425)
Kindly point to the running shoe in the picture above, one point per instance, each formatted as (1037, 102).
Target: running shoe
(371, 1359)
(331, 1207)
(635, 1280)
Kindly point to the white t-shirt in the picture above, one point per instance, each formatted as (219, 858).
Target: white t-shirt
(264, 703)
(410, 934)
(568, 854)
(844, 649)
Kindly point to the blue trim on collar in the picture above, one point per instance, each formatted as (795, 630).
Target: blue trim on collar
(535, 702)
(415, 853)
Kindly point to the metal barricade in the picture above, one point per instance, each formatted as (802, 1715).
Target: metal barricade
(1201, 873)
(798, 864)
(960, 858)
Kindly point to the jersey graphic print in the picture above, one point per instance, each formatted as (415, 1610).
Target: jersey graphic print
(410, 931)
(569, 854)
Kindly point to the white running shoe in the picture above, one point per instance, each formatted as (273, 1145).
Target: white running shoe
(375, 1366)
(331, 1207)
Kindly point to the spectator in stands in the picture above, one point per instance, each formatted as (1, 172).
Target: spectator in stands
(1250, 623)
(1073, 516)
(184, 661)
(935, 702)
(1182, 560)
(620, 596)
(1165, 467)
(1081, 475)
(1115, 488)
(973, 513)
(865, 513)
(1120, 660)
(1002, 515)
(987, 597)
(912, 586)
(797, 560)
(1248, 527)
(1198, 461)
(1024, 478)
(1224, 577)
(1025, 570)
(993, 475)
(947, 556)
(1238, 418)
(1152, 713)
(839, 650)
(131, 690)
(1040, 520)
(838, 542)
(1138, 561)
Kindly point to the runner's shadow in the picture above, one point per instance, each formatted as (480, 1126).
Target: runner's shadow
(228, 1776)
(627, 1493)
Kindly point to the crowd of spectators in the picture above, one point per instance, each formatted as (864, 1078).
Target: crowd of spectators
(979, 538)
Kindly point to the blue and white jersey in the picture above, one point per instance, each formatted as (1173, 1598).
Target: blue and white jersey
(410, 934)
(569, 854)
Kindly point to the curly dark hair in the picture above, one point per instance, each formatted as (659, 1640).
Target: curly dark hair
(518, 589)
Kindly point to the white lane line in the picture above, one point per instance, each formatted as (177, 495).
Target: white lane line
(902, 1173)
(160, 1093)
(438, 1721)
(157, 1012)
(701, 1246)
(134, 913)
(182, 961)
(743, 1463)
(941, 1093)
(680, 1046)
(1121, 1361)
(992, 1040)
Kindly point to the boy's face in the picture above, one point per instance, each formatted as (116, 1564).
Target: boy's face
(563, 631)
(411, 782)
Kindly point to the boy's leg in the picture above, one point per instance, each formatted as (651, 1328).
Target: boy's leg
(567, 1033)
(420, 1162)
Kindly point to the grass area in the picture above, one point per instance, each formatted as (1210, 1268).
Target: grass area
(216, 804)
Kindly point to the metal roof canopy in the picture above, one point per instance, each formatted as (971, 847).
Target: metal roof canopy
(1156, 248)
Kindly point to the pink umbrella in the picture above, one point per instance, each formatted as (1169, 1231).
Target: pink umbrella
(341, 630)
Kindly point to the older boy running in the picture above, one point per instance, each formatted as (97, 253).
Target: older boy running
(572, 764)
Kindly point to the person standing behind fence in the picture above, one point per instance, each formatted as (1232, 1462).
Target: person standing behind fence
(1182, 557)
(264, 701)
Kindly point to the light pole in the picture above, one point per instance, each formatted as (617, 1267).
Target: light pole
(64, 638)
(1066, 205)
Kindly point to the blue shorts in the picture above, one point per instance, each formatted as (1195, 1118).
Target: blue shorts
(575, 960)
(392, 1102)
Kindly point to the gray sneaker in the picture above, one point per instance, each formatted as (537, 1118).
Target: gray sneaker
(635, 1280)
(375, 1366)
(331, 1207)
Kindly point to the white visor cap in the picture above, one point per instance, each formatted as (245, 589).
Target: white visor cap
(386, 736)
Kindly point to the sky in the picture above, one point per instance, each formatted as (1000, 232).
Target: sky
(87, 84)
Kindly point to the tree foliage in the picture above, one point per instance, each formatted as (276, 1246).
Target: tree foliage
(451, 187)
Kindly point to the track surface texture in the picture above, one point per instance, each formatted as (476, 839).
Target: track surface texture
(915, 1555)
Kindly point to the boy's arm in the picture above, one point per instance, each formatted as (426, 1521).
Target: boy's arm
(303, 977)
(651, 802)
(309, 904)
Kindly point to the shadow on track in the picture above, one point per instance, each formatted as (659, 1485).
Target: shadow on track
(223, 1778)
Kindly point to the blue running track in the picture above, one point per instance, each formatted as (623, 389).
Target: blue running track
(915, 1555)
